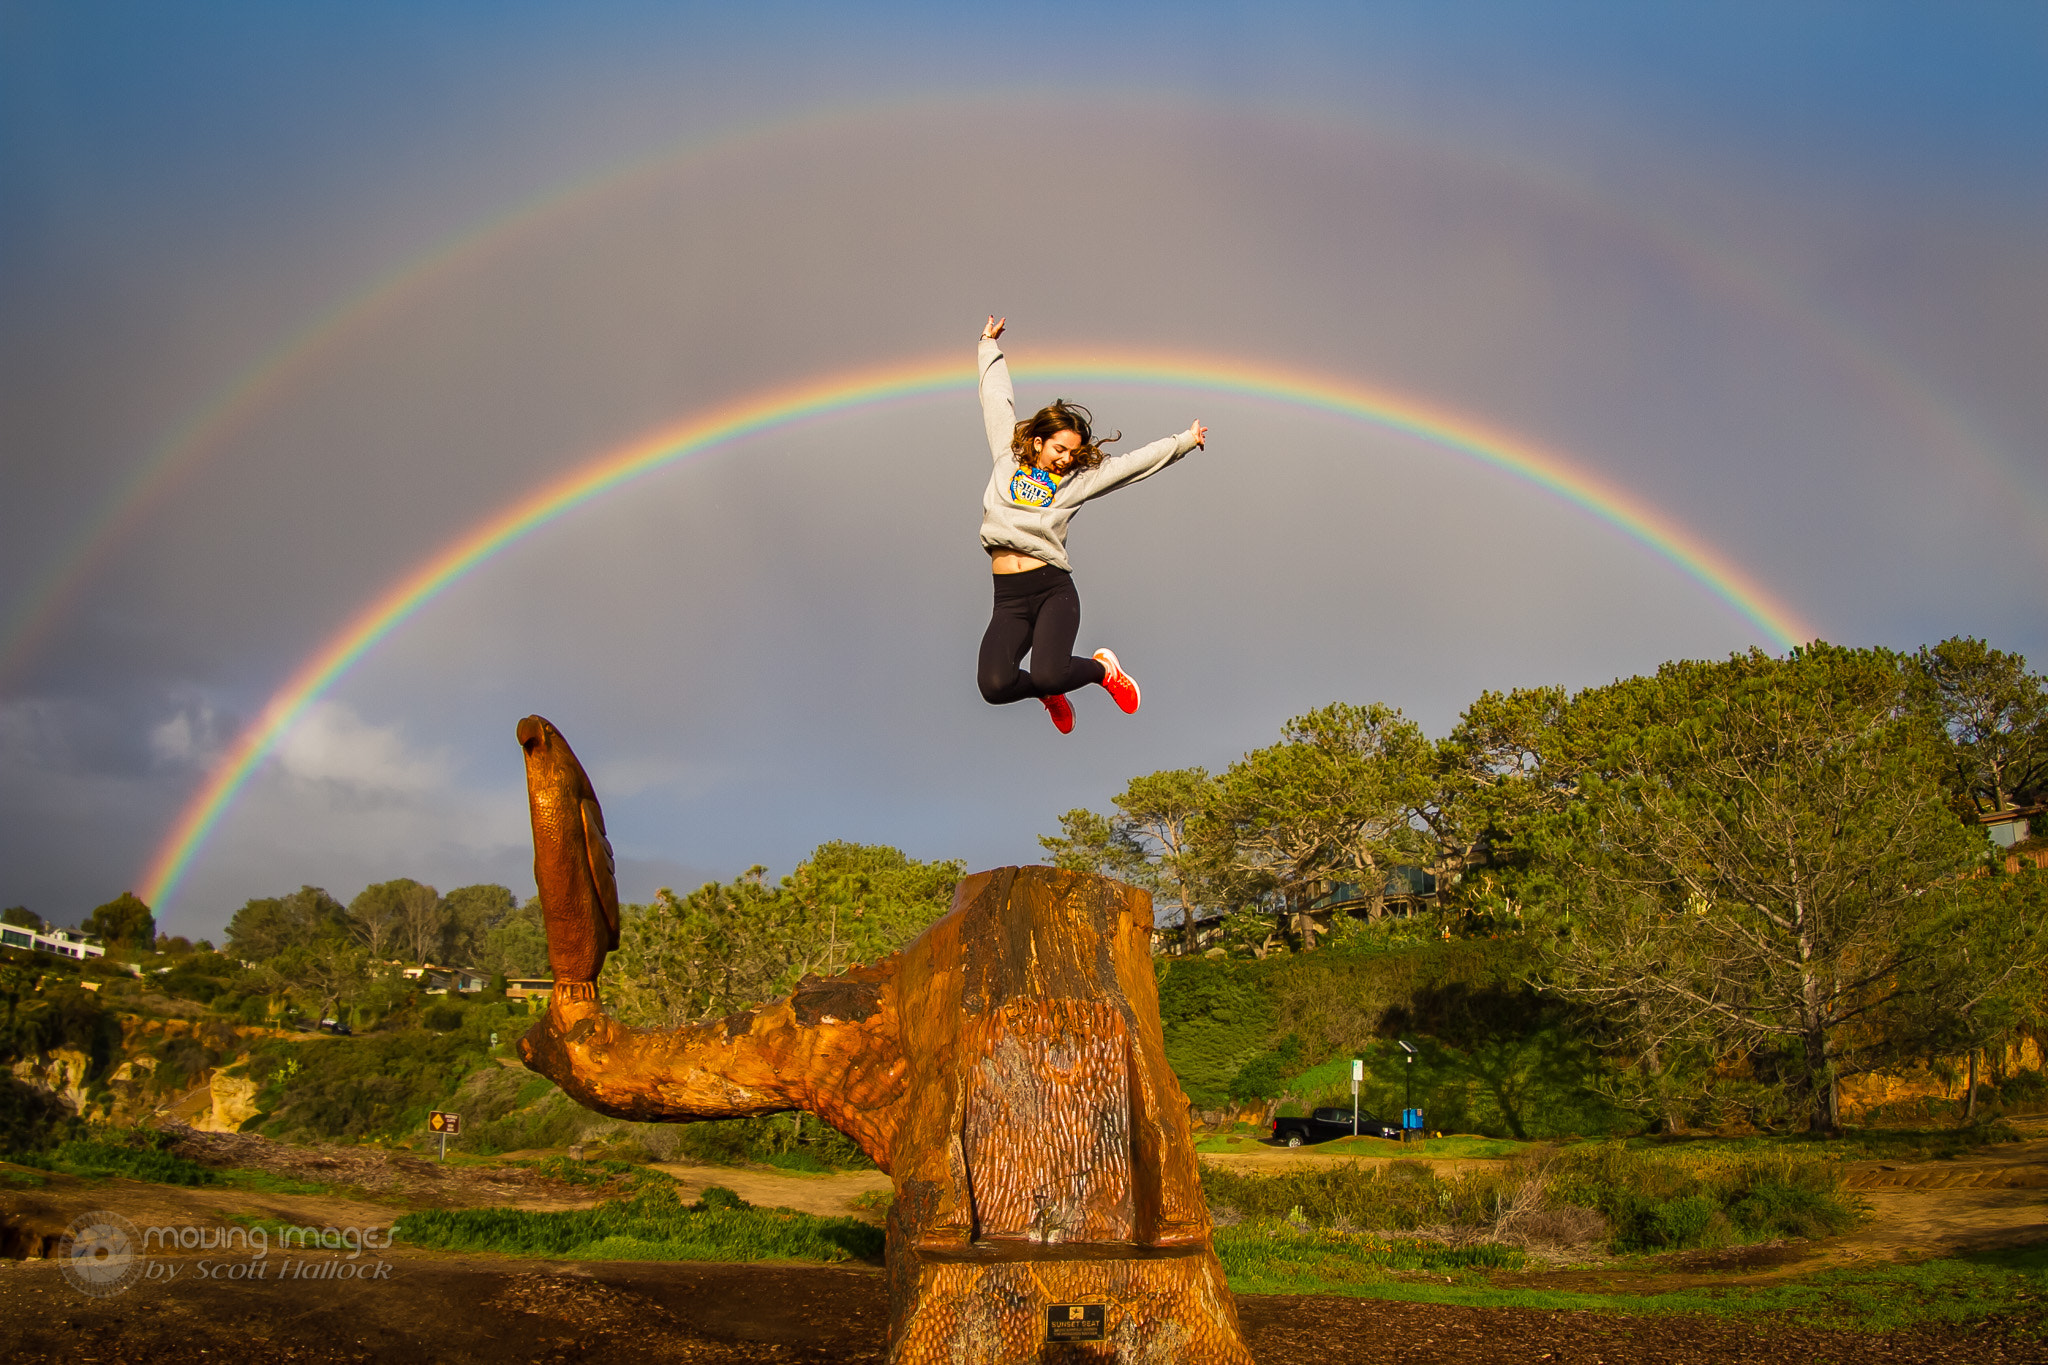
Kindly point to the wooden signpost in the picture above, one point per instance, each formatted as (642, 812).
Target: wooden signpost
(445, 1126)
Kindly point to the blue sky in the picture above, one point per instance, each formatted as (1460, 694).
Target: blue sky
(1776, 269)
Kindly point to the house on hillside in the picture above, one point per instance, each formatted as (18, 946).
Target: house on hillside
(57, 942)
(2013, 834)
(441, 980)
(1169, 932)
(1404, 891)
(529, 987)
(2013, 825)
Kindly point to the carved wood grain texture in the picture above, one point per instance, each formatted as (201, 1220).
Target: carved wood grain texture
(1009, 1071)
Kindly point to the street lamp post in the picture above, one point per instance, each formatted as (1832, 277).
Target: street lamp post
(1408, 1072)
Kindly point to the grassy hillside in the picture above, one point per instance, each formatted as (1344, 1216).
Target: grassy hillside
(1495, 1056)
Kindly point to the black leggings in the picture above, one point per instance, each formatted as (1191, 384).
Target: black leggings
(1036, 611)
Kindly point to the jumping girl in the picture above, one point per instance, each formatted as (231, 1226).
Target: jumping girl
(1046, 467)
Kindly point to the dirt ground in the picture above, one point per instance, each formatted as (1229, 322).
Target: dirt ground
(1999, 1198)
(494, 1311)
(828, 1196)
(406, 1305)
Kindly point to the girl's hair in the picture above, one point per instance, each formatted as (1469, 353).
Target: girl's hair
(1047, 423)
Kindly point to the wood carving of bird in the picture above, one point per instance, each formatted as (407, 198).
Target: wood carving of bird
(572, 858)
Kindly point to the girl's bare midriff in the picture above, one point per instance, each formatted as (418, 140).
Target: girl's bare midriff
(1009, 561)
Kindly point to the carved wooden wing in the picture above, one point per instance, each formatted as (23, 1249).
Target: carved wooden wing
(602, 869)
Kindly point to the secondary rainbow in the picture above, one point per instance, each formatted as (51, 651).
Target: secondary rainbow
(301, 352)
(848, 391)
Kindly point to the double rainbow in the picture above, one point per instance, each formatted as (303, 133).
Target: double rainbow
(912, 381)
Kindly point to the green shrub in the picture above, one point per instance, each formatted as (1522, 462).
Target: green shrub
(1686, 1221)
(377, 1085)
(552, 1120)
(1395, 1195)
(2022, 1087)
(1217, 1016)
(1496, 1057)
(137, 1154)
(800, 1142)
(31, 1118)
(1263, 1076)
(652, 1224)
(1653, 1201)
(593, 1172)
(798, 1160)
(717, 1197)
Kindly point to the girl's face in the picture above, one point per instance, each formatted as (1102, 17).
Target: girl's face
(1055, 454)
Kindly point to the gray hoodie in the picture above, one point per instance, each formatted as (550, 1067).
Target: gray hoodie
(1021, 511)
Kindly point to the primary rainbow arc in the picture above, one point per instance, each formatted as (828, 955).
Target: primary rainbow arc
(845, 392)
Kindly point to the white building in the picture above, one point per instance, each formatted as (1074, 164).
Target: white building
(58, 942)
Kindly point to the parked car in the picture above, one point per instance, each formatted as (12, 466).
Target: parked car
(335, 1026)
(1324, 1124)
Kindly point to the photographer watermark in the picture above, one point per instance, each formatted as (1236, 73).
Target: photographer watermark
(103, 1253)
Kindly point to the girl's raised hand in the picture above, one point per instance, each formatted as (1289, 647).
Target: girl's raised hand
(1201, 434)
(994, 328)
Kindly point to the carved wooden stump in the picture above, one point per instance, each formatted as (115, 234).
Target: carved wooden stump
(1008, 1071)
(1044, 1155)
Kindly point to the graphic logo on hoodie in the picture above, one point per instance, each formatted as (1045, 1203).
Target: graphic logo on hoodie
(1032, 487)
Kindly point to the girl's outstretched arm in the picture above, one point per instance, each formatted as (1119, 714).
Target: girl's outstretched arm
(1117, 470)
(998, 399)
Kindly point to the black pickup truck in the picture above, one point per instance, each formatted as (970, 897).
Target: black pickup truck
(1324, 1124)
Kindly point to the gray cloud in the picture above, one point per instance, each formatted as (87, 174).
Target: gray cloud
(773, 646)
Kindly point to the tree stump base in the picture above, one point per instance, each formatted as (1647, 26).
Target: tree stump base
(1171, 1309)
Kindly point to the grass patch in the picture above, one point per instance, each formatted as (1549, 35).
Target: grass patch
(1279, 1258)
(1650, 1200)
(596, 1173)
(800, 1161)
(650, 1224)
(1233, 1142)
(1958, 1292)
(135, 1157)
(1862, 1144)
(1462, 1146)
(270, 1182)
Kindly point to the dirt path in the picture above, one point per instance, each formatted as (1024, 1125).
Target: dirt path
(497, 1311)
(829, 1196)
(1998, 1198)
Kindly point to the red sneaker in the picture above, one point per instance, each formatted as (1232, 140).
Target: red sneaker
(1118, 683)
(1062, 712)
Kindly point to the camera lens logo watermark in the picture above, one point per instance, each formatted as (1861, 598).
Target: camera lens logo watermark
(101, 1254)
